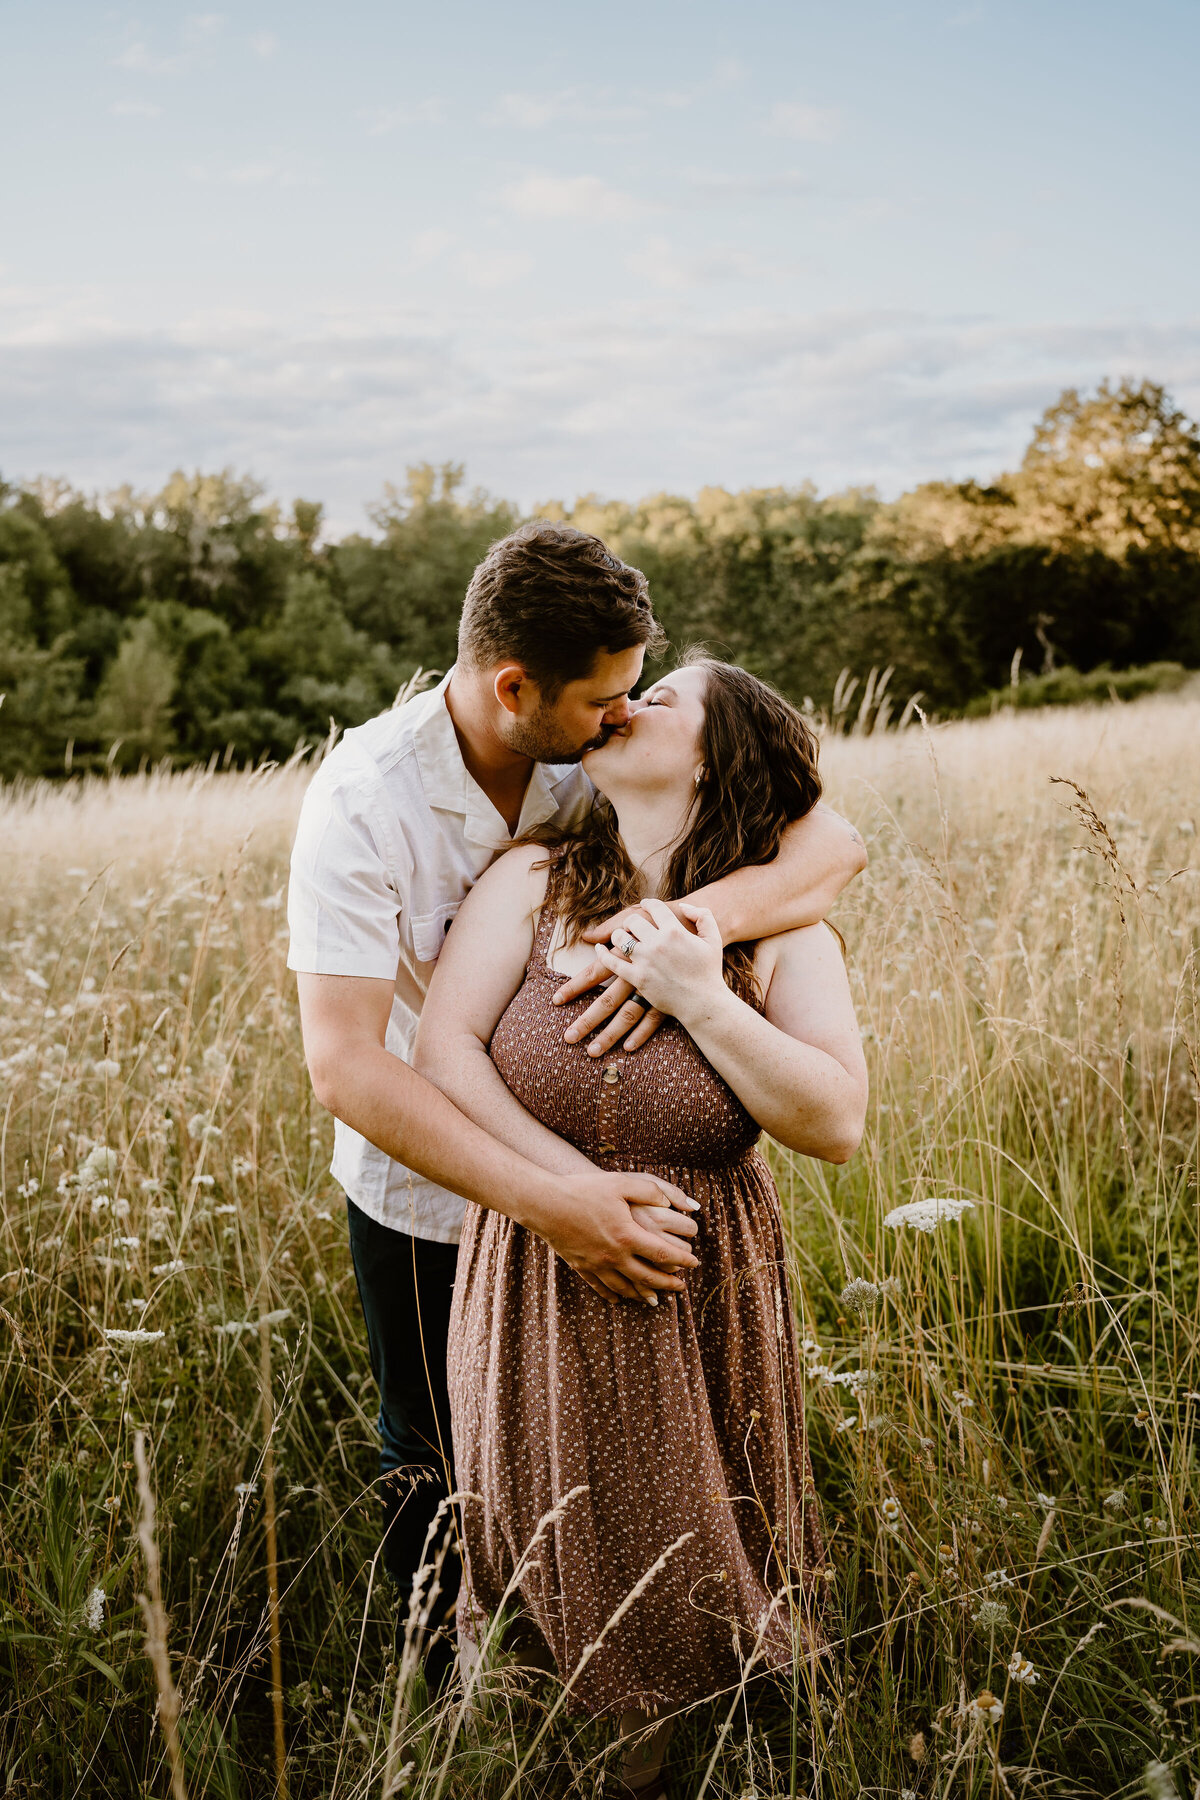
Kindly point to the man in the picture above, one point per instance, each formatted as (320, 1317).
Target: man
(398, 824)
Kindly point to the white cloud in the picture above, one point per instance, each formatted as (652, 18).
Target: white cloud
(264, 171)
(660, 264)
(380, 120)
(623, 401)
(264, 43)
(427, 246)
(812, 124)
(135, 109)
(531, 112)
(142, 60)
(776, 185)
(485, 269)
(569, 197)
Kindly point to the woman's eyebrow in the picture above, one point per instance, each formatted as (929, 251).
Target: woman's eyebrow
(662, 687)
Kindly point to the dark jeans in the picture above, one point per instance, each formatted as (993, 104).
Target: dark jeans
(405, 1285)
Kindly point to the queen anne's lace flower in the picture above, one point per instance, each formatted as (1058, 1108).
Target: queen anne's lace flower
(93, 1609)
(926, 1215)
(859, 1296)
(116, 1336)
(992, 1614)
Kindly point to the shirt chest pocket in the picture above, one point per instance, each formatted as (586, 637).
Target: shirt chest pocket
(429, 931)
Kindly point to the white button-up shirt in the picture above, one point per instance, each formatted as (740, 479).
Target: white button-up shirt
(393, 835)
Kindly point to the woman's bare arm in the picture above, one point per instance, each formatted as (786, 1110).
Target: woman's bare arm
(798, 1068)
(481, 966)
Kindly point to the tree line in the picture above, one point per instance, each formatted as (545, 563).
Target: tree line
(205, 621)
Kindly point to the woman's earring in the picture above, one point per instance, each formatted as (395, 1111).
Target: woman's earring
(699, 779)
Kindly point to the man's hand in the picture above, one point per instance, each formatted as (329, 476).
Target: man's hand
(600, 1226)
(613, 1008)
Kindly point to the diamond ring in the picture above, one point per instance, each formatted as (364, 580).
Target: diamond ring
(624, 944)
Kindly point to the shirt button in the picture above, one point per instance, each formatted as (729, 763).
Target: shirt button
(612, 1074)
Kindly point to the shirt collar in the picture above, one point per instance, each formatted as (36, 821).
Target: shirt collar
(449, 787)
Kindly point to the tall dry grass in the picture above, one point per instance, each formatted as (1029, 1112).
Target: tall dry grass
(1006, 1465)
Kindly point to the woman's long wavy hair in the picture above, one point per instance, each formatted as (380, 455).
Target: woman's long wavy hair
(760, 766)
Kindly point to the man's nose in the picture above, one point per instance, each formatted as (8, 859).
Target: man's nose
(619, 713)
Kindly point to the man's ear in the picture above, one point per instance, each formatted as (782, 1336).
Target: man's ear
(509, 681)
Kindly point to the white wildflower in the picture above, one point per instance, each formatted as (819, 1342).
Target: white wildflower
(986, 1706)
(1046, 1500)
(242, 1166)
(169, 1268)
(37, 980)
(244, 1489)
(100, 1203)
(27, 1189)
(213, 1061)
(848, 1423)
(93, 1609)
(234, 1327)
(207, 1181)
(221, 1212)
(121, 1209)
(1021, 1669)
(1116, 1501)
(926, 1215)
(1158, 1781)
(890, 1512)
(149, 1185)
(137, 1305)
(129, 1243)
(964, 1400)
(277, 1317)
(858, 1296)
(116, 1336)
(999, 1578)
(108, 1068)
(98, 1166)
(991, 1616)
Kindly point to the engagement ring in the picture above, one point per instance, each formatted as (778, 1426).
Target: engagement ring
(624, 945)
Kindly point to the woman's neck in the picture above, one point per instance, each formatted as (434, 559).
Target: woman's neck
(650, 828)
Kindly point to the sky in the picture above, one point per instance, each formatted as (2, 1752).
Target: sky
(612, 249)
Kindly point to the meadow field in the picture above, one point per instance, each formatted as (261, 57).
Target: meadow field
(1007, 1469)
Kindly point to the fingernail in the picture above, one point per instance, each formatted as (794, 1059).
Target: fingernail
(654, 1300)
(570, 1034)
(693, 1205)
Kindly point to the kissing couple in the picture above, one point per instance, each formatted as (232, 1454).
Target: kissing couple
(561, 960)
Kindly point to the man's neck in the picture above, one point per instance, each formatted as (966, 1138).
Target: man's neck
(503, 774)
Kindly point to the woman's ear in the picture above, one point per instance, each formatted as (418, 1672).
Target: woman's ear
(700, 777)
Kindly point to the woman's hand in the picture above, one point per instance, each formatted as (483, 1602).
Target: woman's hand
(670, 965)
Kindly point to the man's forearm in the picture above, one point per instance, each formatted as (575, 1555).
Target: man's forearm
(412, 1121)
(819, 854)
(462, 1069)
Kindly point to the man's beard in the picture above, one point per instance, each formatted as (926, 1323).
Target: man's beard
(537, 739)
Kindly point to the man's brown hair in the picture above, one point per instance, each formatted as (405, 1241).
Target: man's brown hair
(551, 597)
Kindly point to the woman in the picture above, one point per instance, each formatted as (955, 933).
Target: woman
(683, 1422)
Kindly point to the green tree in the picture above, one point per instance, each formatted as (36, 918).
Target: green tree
(133, 707)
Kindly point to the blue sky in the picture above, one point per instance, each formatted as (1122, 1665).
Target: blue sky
(611, 248)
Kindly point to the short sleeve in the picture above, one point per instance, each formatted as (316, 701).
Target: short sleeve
(344, 903)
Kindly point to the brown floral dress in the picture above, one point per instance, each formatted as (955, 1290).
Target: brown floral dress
(681, 1420)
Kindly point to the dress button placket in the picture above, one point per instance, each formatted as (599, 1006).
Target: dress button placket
(606, 1120)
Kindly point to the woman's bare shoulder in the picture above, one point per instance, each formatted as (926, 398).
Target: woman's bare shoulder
(517, 878)
(807, 947)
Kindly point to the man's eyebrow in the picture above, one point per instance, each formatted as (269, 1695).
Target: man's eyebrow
(609, 698)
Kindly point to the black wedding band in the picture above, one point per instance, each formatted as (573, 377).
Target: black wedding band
(638, 1000)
